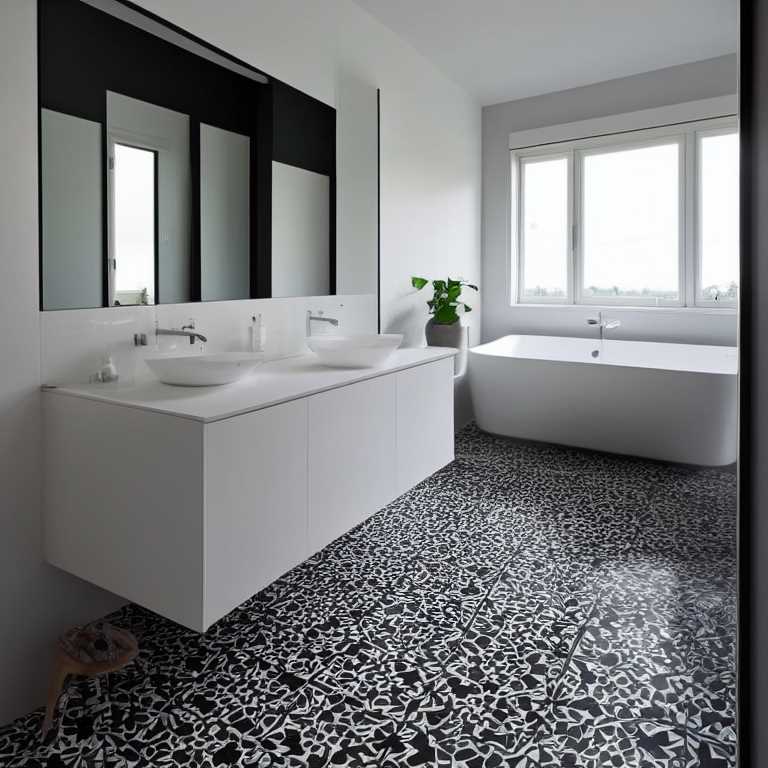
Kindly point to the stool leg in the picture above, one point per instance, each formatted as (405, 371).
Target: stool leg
(54, 691)
(107, 693)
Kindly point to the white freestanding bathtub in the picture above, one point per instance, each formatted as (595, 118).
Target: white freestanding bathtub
(675, 402)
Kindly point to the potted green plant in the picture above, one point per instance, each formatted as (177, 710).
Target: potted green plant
(444, 328)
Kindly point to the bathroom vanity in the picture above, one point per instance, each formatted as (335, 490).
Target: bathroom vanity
(190, 500)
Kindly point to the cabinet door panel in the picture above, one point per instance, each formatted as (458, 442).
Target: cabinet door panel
(123, 502)
(351, 457)
(424, 421)
(255, 503)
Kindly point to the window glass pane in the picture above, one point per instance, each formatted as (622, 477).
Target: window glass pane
(631, 237)
(134, 195)
(719, 216)
(545, 227)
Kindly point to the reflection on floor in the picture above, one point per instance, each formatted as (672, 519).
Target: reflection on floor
(527, 606)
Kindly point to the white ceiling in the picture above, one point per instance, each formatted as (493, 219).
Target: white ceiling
(500, 50)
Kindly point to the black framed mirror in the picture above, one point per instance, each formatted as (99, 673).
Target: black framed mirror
(171, 172)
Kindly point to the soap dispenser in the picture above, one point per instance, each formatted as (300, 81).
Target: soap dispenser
(257, 334)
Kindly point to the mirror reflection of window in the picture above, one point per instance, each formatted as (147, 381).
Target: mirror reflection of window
(135, 226)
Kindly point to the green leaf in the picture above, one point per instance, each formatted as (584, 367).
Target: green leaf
(446, 315)
(418, 282)
(454, 291)
(467, 308)
(473, 287)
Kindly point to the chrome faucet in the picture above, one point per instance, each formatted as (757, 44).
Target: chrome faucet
(187, 330)
(320, 318)
(604, 325)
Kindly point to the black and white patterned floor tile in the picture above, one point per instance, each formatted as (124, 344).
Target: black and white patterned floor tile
(528, 605)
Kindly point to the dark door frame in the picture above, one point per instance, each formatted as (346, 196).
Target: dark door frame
(752, 638)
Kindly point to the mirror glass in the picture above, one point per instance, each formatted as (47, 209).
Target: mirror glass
(172, 173)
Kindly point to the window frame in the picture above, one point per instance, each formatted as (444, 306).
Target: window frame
(687, 135)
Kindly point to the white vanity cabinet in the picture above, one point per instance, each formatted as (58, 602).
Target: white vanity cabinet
(424, 422)
(189, 502)
(255, 511)
(352, 445)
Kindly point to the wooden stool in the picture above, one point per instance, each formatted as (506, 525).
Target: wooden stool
(66, 665)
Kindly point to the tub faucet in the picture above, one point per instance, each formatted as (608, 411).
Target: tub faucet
(604, 325)
(320, 318)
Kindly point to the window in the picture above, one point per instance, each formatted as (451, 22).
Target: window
(630, 231)
(545, 230)
(648, 218)
(134, 226)
(718, 216)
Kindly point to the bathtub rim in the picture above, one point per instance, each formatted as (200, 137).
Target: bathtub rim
(481, 350)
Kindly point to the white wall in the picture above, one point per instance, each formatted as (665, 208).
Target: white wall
(430, 132)
(38, 601)
(69, 354)
(674, 85)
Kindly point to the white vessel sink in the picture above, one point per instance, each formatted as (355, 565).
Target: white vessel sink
(364, 350)
(203, 370)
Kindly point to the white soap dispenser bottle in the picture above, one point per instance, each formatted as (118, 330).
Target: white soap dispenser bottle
(257, 334)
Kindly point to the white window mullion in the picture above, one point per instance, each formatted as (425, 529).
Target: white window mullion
(519, 234)
(513, 197)
(688, 277)
(577, 263)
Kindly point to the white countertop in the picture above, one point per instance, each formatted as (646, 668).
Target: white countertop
(274, 382)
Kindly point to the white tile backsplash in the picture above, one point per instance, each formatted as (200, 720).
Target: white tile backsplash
(74, 342)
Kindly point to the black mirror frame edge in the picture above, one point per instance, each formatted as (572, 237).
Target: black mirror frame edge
(378, 210)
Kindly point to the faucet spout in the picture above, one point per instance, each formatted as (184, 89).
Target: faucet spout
(602, 324)
(190, 334)
(320, 318)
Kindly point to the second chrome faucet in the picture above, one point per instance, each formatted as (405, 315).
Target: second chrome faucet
(319, 318)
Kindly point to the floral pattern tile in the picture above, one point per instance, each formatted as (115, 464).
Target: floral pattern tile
(527, 606)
